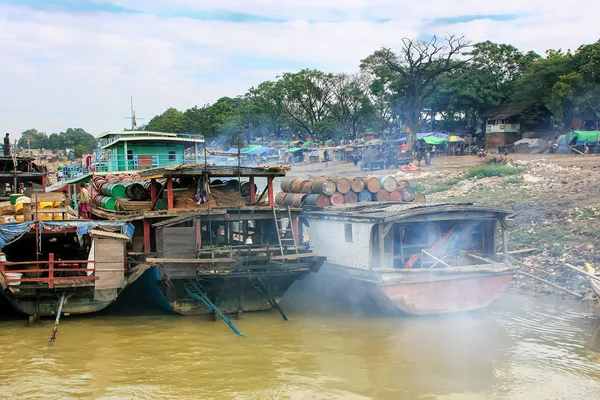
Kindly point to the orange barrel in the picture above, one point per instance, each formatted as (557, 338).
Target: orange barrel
(357, 184)
(286, 185)
(307, 187)
(388, 183)
(336, 199)
(373, 185)
(110, 178)
(408, 194)
(382, 195)
(420, 198)
(245, 189)
(294, 200)
(280, 198)
(323, 186)
(298, 185)
(319, 200)
(343, 185)
(365, 195)
(350, 197)
(396, 195)
(402, 184)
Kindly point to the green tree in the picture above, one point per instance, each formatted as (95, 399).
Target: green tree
(419, 64)
(80, 150)
(33, 139)
(306, 100)
(171, 121)
(349, 106)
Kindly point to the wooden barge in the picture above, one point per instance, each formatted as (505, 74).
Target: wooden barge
(82, 264)
(232, 254)
(419, 259)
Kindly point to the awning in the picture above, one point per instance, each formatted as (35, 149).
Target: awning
(294, 149)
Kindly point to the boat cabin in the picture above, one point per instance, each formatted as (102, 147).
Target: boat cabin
(42, 260)
(397, 236)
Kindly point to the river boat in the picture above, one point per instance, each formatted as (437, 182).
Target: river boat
(419, 259)
(81, 264)
(234, 251)
(596, 286)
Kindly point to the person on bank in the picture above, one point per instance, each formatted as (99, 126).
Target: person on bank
(7, 145)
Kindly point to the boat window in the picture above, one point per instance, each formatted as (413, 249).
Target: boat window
(172, 155)
(348, 232)
(130, 154)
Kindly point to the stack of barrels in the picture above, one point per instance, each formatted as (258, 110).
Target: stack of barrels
(324, 192)
(106, 190)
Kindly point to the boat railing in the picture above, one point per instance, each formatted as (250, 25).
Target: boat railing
(149, 135)
(64, 266)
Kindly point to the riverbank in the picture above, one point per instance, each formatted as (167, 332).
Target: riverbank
(555, 199)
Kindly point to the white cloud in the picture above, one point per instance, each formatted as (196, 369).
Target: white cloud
(62, 69)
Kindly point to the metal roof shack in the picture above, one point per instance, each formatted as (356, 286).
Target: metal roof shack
(385, 212)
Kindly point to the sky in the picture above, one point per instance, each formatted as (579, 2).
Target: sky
(76, 63)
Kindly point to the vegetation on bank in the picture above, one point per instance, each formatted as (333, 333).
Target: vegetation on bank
(77, 139)
(395, 90)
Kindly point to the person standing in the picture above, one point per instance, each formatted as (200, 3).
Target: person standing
(84, 202)
(7, 145)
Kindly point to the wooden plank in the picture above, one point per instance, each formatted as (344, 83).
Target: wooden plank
(49, 196)
(190, 260)
(110, 263)
(551, 284)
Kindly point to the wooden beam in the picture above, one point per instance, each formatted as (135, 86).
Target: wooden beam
(190, 260)
(147, 242)
(487, 260)
(574, 268)
(270, 188)
(550, 284)
(170, 199)
(252, 194)
(439, 260)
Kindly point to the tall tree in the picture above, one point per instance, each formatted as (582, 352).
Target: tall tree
(420, 63)
(265, 103)
(349, 105)
(172, 121)
(306, 97)
(33, 139)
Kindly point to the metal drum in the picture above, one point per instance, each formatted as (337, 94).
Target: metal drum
(357, 184)
(337, 199)
(383, 195)
(286, 185)
(319, 200)
(350, 197)
(388, 183)
(396, 196)
(343, 185)
(323, 186)
(298, 185)
(280, 198)
(364, 196)
(403, 183)
(408, 194)
(420, 198)
(373, 185)
(294, 200)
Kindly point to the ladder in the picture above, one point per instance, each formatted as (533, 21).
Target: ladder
(197, 292)
(280, 231)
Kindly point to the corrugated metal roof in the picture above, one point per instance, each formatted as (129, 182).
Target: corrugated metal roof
(391, 211)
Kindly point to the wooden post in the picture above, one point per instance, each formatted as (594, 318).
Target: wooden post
(51, 271)
(170, 199)
(198, 235)
(153, 190)
(252, 194)
(504, 246)
(270, 188)
(294, 223)
(381, 246)
(147, 242)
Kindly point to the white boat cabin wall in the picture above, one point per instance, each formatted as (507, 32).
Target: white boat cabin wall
(357, 244)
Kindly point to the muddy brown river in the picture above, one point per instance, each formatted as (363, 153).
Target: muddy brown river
(521, 348)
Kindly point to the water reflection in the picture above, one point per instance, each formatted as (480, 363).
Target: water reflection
(522, 348)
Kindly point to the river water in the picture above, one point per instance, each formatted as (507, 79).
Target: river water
(521, 348)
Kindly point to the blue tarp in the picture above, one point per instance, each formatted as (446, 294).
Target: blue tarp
(84, 227)
(13, 231)
(261, 151)
(232, 150)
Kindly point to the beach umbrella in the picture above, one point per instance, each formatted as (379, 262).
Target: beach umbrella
(455, 139)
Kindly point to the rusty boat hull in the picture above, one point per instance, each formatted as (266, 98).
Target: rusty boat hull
(419, 292)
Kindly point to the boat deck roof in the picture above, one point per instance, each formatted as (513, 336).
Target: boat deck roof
(382, 212)
(214, 171)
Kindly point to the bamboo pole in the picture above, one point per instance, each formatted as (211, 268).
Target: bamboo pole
(582, 271)
(551, 284)
(57, 320)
